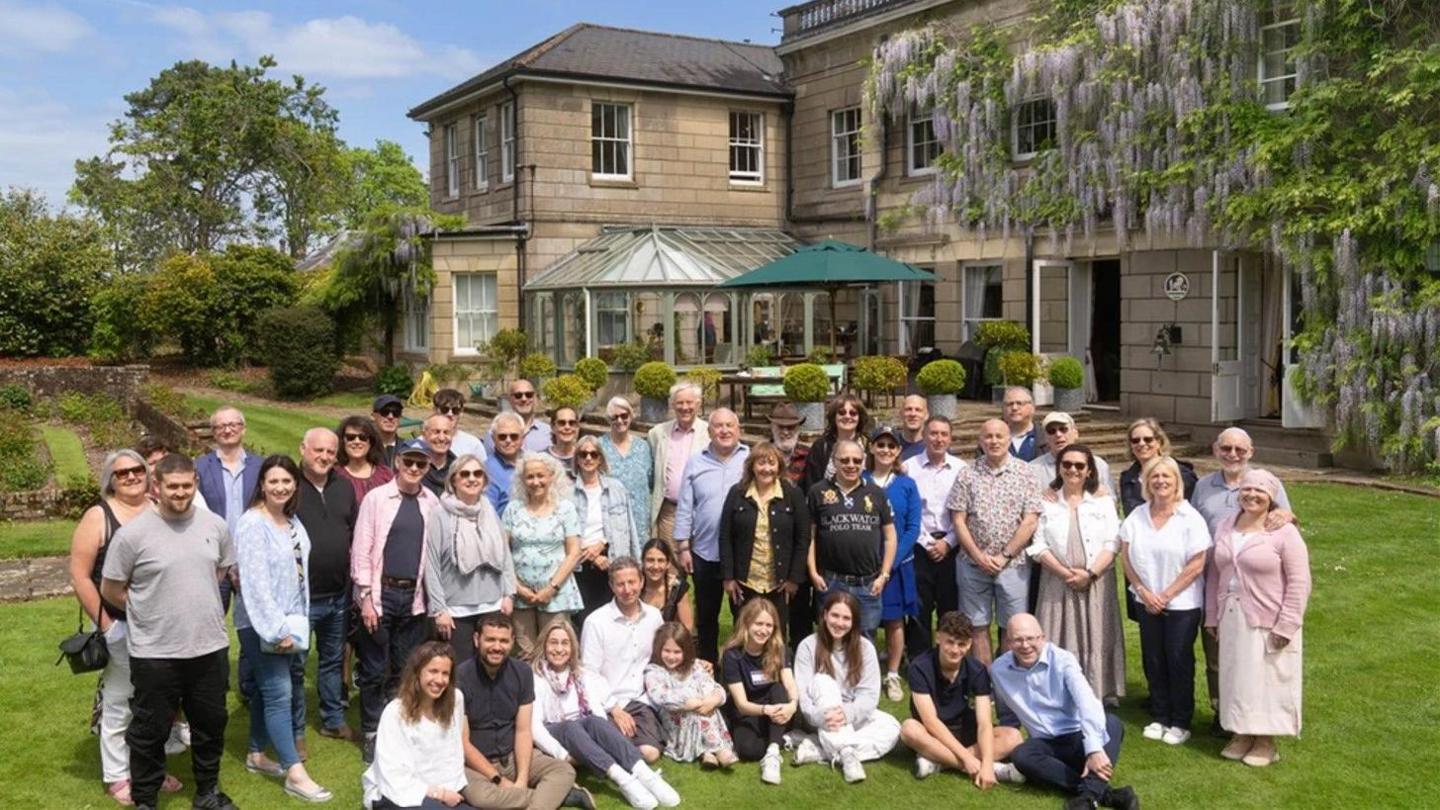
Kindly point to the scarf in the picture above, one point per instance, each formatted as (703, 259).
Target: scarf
(561, 683)
(478, 538)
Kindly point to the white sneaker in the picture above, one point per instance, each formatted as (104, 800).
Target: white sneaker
(792, 739)
(657, 785)
(894, 692)
(1175, 735)
(178, 740)
(850, 765)
(806, 752)
(1006, 772)
(1154, 731)
(770, 766)
(634, 792)
(925, 767)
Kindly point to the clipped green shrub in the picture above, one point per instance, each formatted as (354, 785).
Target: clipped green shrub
(991, 373)
(939, 377)
(536, 366)
(1019, 368)
(298, 347)
(395, 380)
(16, 397)
(1002, 335)
(229, 381)
(760, 355)
(566, 391)
(101, 414)
(509, 345)
(879, 374)
(806, 382)
(820, 355)
(1066, 372)
(707, 378)
(593, 371)
(172, 402)
(630, 356)
(653, 380)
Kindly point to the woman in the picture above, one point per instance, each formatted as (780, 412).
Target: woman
(764, 534)
(755, 667)
(543, 531)
(420, 744)
(664, 587)
(272, 619)
(1256, 589)
(565, 429)
(569, 721)
(629, 461)
(469, 568)
(1075, 544)
(846, 418)
(123, 488)
(838, 678)
(899, 599)
(1163, 544)
(1148, 441)
(607, 525)
(362, 459)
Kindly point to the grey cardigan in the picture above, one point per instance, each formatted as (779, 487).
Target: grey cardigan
(445, 586)
(617, 522)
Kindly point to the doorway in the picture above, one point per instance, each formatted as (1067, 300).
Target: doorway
(1105, 328)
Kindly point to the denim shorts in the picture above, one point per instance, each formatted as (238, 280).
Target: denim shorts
(1007, 591)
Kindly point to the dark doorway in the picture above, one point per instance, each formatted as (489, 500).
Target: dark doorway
(1105, 328)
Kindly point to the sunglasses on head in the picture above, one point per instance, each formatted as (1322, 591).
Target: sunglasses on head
(587, 454)
(414, 463)
(391, 413)
(451, 410)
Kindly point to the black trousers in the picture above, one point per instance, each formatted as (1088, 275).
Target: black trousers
(462, 638)
(709, 589)
(1057, 762)
(594, 586)
(937, 592)
(752, 735)
(1167, 649)
(803, 607)
(163, 686)
(381, 654)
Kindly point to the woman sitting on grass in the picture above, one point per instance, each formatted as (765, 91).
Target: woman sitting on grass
(689, 700)
(755, 666)
(419, 748)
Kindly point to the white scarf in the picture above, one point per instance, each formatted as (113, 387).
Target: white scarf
(478, 537)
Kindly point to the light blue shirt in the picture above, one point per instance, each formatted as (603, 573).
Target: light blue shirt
(1051, 698)
(274, 600)
(235, 505)
(500, 474)
(703, 487)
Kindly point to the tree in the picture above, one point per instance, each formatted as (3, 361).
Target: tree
(302, 192)
(50, 266)
(382, 177)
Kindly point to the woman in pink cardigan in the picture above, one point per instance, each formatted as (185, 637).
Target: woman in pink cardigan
(1256, 587)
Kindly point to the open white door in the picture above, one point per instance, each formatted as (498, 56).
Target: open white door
(1227, 366)
(1051, 286)
(1295, 410)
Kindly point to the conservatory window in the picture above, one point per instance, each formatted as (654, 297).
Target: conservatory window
(612, 310)
(1279, 34)
(922, 147)
(1034, 127)
(845, 147)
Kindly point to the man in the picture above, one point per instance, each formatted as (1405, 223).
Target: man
(385, 412)
(1073, 743)
(1026, 443)
(950, 724)
(503, 770)
(388, 577)
(704, 485)
(672, 444)
(226, 478)
(914, 413)
(152, 448)
(523, 402)
(507, 432)
(450, 403)
(437, 432)
(616, 643)
(327, 510)
(994, 506)
(1060, 433)
(852, 535)
(161, 568)
(785, 435)
(934, 475)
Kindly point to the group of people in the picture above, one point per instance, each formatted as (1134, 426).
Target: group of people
(534, 600)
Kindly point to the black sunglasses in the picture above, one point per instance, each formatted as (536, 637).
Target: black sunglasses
(1074, 465)
(357, 437)
(587, 454)
(392, 413)
(414, 463)
(451, 410)
(522, 395)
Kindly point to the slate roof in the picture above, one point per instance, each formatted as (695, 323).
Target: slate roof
(589, 51)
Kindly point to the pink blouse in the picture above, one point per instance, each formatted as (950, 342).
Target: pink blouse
(1273, 572)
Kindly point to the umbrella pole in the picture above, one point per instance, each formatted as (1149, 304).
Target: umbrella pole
(833, 350)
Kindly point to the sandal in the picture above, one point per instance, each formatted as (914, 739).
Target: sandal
(264, 767)
(120, 792)
(319, 794)
(708, 761)
(171, 785)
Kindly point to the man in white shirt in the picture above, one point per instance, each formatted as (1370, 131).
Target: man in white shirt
(1060, 433)
(934, 474)
(616, 644)
(672, 444)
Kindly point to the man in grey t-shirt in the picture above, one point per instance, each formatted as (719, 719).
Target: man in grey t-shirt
(162, 568)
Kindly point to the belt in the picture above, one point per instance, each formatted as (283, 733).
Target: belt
(398, 583)
(851, 579)
(670, 501)
(939, 535)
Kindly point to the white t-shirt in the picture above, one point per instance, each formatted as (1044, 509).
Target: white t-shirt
(1158, 555)
(592, 530)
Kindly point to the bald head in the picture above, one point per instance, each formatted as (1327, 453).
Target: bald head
(995, 440)
(1026, 639)
(318, 449)
(724, 431)
(913, 412)
(227, 426)
(1233, 449)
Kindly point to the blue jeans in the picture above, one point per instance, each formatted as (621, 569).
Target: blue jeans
(870, 606)
(328, 619)
(277, 713)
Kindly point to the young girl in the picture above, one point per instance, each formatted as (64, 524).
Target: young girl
(755, 667)
(688, 699)
(839, 679)
(419, 748)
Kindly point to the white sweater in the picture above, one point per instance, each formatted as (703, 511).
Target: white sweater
(412, 757)
(548, 703)
(859, 701)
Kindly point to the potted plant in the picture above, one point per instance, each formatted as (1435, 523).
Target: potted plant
(567, 391)
(1019, 369)
(536, 367)
(759, 356)
(997, 338)
(941, 381)
(1068, 377)
(594, 372)
(879, 375)
(652, 383)
(807, 385)
(708, 378)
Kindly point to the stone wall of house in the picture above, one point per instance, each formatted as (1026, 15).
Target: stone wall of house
(457, 256)
(121, 382)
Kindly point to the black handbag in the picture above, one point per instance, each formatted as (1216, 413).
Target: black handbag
(86, 651)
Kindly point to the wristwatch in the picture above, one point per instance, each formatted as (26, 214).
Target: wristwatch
(496, 779)
(1005, 552)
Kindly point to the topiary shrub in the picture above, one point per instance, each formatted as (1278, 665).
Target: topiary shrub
(806, 382)
(1005, 335)
(941, 377)
(630, 356)
(820, 355)
(537, 366)
(879, 374)
(394, 380)
(653, 380)
(509, 345)
(760, 355)
(566, 391)
(297, 345)
(593, 371)
(707, 378)
(1066, 372)
(1020, 368)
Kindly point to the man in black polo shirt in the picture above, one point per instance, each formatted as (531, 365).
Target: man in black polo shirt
(503, 769)
(853, 535)
(950, 725)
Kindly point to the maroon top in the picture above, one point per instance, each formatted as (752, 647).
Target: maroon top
(381, 476)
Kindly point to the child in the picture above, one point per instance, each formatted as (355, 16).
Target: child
(688, 699)
(756, 668)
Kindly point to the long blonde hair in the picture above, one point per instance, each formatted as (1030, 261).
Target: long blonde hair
(772, 652)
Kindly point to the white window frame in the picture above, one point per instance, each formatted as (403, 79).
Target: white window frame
(624, 145)
(452, 160)
(416, 321)
(755, 143)
(969, 323)
(507, 142)
(1015, 125)
(612, 308)
(1282, 16)
(844, 145)
(488, 311)
(482, 155)
(927, 121)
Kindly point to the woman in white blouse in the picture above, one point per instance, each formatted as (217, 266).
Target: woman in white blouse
(1075, 544)
(1163, 543)
(419, 747)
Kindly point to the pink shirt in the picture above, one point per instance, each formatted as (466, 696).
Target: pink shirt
(675, 458)
(1273, 571)
(372, 529)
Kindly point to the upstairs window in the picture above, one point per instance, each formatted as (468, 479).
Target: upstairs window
(845, 147)
(610, 141)
(1034, 127)
(747, 147)
(507, 142)
(482, 155)
(1279, 34)
(452, 161)
(922, 147)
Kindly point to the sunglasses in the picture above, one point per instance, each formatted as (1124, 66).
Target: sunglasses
(1074, 465)
(565, 422)
(451, 410)
(620, 417)
(854, 414)
(886, 446)
(391, 413)
(1056, 429)
(1231, 448)
(507, 437)
(414, 463)
(1142, 439)
(356, 437)
(466, 475)
(855, 461)
(522, 394)
(129, 472)
(587, 454)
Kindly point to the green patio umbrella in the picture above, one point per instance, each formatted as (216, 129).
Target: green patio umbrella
(829, 264)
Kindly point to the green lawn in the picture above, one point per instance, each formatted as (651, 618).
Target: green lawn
(1371, 703)
(45, 538)
(276, 428)
(67, 452)
(358, 401)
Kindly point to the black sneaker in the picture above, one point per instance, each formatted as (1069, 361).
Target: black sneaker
(1216, 730)
(1123, 798)
(213, 801)
(368, 752)
(579, 797)
(1079, 803)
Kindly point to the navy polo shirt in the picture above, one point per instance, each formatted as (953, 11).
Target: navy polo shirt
(953, 699)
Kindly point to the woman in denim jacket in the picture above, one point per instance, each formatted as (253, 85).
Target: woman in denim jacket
(607, 525)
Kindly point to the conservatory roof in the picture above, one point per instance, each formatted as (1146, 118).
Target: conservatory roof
(655, 256)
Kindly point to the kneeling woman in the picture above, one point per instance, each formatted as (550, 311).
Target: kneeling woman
(569, 720)
(839, 680)
(420, 745)
(755, 667)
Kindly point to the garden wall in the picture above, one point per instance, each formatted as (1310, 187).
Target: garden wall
(121, 382)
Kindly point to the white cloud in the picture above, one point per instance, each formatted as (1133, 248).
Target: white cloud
(39, 29)
(41, 138)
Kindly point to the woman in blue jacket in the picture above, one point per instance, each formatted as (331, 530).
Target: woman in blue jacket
(898, 600)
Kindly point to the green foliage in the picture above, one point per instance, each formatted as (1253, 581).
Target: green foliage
(653, 379)
(806, 382)
(821, 355)
(227, 380)
(449, 372)
(990, 373)
(879, 374)
(67, 454)
(172, 402)
(509, 345)
(939, 377)
(566, 391)
(16, 397)
(759, 356)
(630, 356)
(250, 280)
(121, 331)
(297, 347)
(394, 380)
(707, 378)
(383, 177)
(1019, 368)
(21, 467)
(593, 371)
(101, 414)
(537, 366)
(78, 495)
(1066, 372)
(50, 267)
(1002, 335)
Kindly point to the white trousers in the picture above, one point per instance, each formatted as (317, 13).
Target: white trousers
(115, 693)
(871, 739)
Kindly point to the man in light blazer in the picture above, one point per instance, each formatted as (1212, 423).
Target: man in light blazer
(673, 443)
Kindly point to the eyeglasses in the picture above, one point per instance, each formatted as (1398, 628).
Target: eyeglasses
(1055, 430)
(507, 437)
(888, 447)
(129, 472)
(1074, 465)
(1232, 449)
(587, 454)
(565, 422)
(522, 394)
(1026, 640)
(1142, 439)
(854, 461)
(414, 463)
(391, 413)
(356, 437)
(230, 426)
(466, 475)
(451, 410)
(853, 414)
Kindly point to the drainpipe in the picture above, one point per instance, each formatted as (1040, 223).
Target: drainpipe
(787, 111)
(515, 187)
(1029, 282)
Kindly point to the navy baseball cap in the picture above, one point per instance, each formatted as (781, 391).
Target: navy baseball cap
(414, 447)
(385, 400)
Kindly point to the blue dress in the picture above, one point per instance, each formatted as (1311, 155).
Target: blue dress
(538, 547)
(633, 473)
(899, 599)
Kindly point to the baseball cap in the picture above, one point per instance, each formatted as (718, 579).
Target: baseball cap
(414, 447)
(1057, 417)
(385, 400)
(886, 430)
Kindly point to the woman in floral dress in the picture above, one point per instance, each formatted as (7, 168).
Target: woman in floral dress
(544, 530)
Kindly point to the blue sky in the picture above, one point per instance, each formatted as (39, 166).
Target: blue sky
(65, 66)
